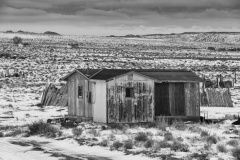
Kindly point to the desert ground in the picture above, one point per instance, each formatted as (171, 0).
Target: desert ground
(26, 70)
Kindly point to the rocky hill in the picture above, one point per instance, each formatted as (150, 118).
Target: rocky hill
(217, 37)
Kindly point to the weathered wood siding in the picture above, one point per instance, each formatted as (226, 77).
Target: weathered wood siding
(192, 99)
(78, 106)
(177, 99)
(140, 108)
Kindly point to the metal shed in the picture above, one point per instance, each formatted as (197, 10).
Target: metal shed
(132, 95)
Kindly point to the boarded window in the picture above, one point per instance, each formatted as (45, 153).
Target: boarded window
(129, 92)
(80, 91)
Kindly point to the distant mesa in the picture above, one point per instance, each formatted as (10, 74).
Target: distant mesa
(132, 36)
(9, 31)
(127, 36)
(51, 33)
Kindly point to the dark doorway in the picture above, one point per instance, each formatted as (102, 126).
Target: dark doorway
(178, 107)
(162, 99)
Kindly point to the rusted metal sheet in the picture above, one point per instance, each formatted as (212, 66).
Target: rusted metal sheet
(122, 109)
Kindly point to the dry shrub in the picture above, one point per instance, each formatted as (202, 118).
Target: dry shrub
(180, 139)
(221, 148)
(233, 143)
(212, 139)
(116, 145)
(236, 131)
(178, 146)
(168, 136)
(141, 136)
(162, 123)
(179, 125)
(161, 144)
(128, 144)
(195, 129)
(148, 143)
(14, 133)
(104, 143)
(94, 132)
(40, 127)
(207, 146)
(77, 131)
(236, 153)
(204, 134)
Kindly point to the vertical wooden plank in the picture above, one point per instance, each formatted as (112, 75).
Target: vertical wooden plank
(77, 98)
(73, 97)
(197, 113)
(85, 98)
(187, 99)
(171, 98)
(69, 98)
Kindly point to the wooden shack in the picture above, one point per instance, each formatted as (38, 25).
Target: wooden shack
(131, 96)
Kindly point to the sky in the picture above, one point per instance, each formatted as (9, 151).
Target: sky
(119, 17)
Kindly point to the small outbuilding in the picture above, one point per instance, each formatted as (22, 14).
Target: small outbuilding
(132, 95)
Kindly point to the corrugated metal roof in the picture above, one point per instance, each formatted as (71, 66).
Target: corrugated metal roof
(172, 75)
(157, 74)
(106, 74)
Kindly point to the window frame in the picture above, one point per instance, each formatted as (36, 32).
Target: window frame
(129, 91)
(78, 93)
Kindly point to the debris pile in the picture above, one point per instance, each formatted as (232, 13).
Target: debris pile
(54, 96)
(216, 97)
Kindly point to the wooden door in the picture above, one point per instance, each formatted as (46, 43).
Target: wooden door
(162, 99)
